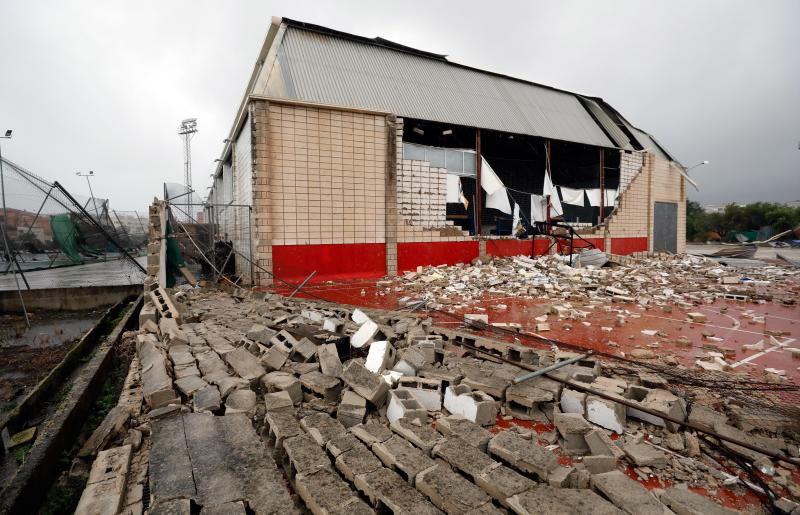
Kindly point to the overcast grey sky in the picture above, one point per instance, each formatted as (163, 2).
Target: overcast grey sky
(103, 85)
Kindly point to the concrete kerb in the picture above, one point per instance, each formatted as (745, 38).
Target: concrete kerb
(36, 474)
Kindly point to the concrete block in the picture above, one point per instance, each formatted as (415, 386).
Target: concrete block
(320, 384)
(357, 461)
(685, 502)
(606, 413)
(464, 457)
(279, 425)
(399, 455)
(304, 351)
(475, 406)
(449, 491)
(601, 445)
(428, 392)
(572, 427)
(573, 402)
(359, 317)
(643, 455)
(381, 356)
(371, 432)
(285, 341)
(241, 401)
(278, 400)
(547, 499)
(626, 494)
(421, 435)
(364, 335)
(261, 334)
(206, 399)
(365, 383)
(245, 364)
(303, 456)
(523, 400)
(600, 464)
(277, 381)
(325, 493)
(389, 491)
(501, 482)
(468, 431)
(523, 455)
(352, 409)
(274, 358)
(322, 427)
(328, 358)
(403, 405)
(105, 488)
(190, 384)
(411, 360)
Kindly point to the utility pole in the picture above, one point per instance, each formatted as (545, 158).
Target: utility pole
(186, 130)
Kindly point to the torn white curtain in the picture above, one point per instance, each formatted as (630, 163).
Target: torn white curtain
(538, 208)
(453, 188)
(499, 200)
(594, 197)
(516, 222)
(571, 196)
(490, 182)
(549, 189)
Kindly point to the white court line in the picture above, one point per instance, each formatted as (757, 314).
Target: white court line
(759, 354)
(703, 324)
(736, 323)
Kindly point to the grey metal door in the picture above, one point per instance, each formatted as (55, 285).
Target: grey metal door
(665, 228)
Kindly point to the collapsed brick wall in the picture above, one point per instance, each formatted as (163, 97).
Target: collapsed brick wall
(422, 200)
(657, 180)
(422, 193)
(630, 164)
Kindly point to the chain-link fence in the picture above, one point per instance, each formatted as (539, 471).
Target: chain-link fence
(54, 238)
(215, 239)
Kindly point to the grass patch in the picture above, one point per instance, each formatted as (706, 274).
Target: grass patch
(21, 452)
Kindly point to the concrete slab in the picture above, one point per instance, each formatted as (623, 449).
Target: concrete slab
(170, 464)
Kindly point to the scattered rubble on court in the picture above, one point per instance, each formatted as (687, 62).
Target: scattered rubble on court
(261, 404)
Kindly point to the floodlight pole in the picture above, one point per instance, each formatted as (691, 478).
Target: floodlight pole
(6, 246)
(187, 129)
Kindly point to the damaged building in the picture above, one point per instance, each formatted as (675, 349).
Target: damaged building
(362, 157)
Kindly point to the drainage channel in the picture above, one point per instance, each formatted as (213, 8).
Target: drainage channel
(66, 406)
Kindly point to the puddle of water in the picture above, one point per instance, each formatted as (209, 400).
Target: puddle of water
(45, 333)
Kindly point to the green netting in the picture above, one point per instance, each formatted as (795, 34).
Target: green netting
(174, 257)
(65, 234)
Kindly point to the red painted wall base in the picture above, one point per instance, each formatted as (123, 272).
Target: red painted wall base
(368, 260)
(412, 255)
(332, 262)
(625, 246)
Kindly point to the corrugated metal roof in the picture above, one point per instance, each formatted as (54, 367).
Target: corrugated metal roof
(617, 134)
(320, 67)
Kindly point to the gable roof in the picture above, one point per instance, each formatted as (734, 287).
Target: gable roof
(310, 63)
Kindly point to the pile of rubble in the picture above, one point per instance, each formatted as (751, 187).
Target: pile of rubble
(680, 280)
(365, 412)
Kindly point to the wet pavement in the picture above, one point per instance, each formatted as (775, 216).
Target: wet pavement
(108, 273)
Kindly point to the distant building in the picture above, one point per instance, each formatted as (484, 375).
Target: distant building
(353, 156)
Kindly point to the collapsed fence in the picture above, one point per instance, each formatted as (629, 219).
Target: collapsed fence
(48, 231)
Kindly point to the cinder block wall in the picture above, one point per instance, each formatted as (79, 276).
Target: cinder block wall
(318, 182)
(629, 230)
